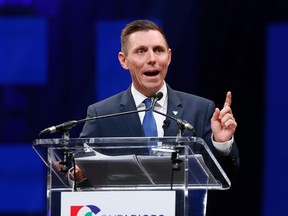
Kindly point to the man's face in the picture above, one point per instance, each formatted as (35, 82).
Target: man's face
(147, 59)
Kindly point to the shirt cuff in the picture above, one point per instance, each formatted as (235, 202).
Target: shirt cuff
(223, 147)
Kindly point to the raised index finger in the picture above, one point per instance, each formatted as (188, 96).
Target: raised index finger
(228, 100)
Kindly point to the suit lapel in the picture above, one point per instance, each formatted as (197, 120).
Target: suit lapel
(174, 109)
(133, 123)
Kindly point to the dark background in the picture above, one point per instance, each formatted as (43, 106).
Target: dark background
(217, 46)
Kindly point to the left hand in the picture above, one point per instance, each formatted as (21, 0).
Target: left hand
(79, 176)
(223, 124)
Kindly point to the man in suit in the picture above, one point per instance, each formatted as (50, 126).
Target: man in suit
(146, 54)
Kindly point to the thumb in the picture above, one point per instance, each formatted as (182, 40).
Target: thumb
(215, 115)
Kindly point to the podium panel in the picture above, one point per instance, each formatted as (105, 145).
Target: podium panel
(182, 164)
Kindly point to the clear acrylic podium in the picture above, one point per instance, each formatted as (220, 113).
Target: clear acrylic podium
(181, 164)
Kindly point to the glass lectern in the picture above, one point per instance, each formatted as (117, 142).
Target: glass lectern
(182, 165)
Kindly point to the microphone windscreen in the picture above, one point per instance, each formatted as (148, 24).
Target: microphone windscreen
(159, 95)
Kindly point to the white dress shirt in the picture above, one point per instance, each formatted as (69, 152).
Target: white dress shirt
(160, 106)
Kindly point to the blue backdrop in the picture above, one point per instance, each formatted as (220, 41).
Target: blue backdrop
(57, 57)
(276, 148)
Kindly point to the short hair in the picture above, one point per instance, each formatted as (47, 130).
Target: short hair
(135, 26)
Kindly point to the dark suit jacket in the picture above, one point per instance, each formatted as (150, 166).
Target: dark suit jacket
(194, 109)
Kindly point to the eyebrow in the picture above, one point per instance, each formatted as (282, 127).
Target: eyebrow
(145, 47)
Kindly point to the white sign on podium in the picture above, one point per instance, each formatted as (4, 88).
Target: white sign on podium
(124, 203)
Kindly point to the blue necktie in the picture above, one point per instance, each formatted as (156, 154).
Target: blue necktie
(149, 123)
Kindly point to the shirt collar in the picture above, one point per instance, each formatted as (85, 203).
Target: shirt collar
(139, 97)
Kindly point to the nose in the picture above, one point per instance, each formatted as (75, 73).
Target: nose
(151, 57)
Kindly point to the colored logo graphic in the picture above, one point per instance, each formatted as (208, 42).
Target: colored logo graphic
(88, 210)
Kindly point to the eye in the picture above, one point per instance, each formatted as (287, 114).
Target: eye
(159, 50)
(140, 51)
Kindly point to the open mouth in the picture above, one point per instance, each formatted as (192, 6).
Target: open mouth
(151, 73)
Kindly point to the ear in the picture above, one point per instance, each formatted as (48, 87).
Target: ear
(122, 60)
(169, 55)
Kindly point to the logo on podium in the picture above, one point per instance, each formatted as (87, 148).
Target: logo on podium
(84, 210)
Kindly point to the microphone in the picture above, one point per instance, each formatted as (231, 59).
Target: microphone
(166, 124)
(64, 127)
(181, 123)
(67, 126)
(155, 98)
